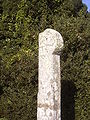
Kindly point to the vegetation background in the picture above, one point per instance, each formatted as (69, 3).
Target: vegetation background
(20, 23)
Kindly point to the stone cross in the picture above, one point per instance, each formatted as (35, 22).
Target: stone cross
(49, 86)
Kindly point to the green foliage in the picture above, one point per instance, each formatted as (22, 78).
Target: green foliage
(3, 119)
(21, 22)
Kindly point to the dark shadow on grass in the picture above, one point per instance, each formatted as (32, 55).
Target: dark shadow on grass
(68, 91)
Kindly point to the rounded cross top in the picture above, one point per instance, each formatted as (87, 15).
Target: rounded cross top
(51, 38)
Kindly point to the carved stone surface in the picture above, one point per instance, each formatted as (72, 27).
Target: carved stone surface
(49, 87)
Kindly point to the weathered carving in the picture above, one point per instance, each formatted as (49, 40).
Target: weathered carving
(48, 105)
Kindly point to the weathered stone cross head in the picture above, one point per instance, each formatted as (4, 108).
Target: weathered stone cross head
(51, 38)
